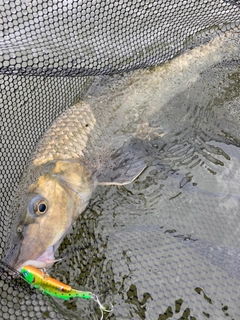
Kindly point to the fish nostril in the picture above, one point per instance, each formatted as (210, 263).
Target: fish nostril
(19, 229)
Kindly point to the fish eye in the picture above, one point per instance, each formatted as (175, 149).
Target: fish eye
(41, 208)
(38, 206)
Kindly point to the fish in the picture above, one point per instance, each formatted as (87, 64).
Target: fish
(81, 151)
(58, 184)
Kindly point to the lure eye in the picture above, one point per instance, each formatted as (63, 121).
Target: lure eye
(38, 206)
(28, 276)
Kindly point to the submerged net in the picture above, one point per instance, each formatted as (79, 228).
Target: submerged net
(134, 245)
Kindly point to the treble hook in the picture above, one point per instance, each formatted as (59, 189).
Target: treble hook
(101, 306)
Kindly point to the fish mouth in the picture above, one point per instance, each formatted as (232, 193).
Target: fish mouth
(44, 260)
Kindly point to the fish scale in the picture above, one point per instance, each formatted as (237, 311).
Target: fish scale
(67, 137)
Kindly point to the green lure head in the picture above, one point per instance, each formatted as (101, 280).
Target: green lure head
(28, 276)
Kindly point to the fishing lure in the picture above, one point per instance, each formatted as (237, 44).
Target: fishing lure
(50, 286)
(42, 281)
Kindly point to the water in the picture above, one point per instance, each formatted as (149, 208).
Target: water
(167, 244)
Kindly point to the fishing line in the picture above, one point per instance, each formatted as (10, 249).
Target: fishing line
(8, 272)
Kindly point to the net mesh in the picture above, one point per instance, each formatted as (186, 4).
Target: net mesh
(49, 52)
(80, 38)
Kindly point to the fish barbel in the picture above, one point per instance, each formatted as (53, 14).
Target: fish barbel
(62, 174)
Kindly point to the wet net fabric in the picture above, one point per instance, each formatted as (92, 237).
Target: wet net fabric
(49, 50)
(80, 38)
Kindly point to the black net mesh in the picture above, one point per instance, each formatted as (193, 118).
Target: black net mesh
(71, 38)
(152, 268)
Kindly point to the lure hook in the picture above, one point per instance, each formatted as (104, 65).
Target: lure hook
(101, 306)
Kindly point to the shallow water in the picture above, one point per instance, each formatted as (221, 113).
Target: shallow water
(166, 245)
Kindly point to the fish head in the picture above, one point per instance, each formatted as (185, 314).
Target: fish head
(59, 194)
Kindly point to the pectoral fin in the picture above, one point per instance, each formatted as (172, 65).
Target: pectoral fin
(125, 165)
